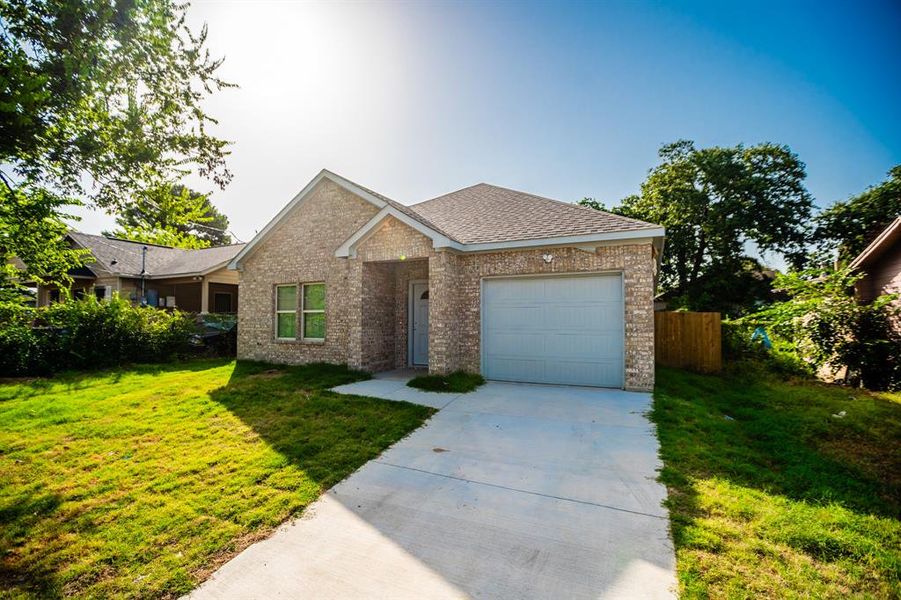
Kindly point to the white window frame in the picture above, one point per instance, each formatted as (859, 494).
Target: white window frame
(284, 311)
(304, 311)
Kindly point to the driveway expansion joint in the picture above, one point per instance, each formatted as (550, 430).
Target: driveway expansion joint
(522, 491)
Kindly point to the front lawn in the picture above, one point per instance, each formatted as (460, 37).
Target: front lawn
(140, 482)
(773, 496)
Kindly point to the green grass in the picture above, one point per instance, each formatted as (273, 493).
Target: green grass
(772, 496)
(460, 382)
(140, 482)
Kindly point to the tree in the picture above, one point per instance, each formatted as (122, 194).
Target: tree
(100, 101)
(848, 227)
(175, 216)
(830, 328)
(712, 202)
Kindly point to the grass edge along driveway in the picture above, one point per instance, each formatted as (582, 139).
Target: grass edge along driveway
(770, 495)
(140, 481)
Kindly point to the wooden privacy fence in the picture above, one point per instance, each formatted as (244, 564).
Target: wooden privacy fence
(689, 340)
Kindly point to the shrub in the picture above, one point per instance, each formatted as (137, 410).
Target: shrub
(88, 334)
(782, 358)
(825, 325)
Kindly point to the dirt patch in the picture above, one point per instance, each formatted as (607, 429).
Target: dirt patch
(268, 374)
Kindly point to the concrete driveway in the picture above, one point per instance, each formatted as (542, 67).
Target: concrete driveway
(512, 491)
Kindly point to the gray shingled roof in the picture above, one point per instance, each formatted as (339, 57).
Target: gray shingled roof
(487, 213)
(123, 257)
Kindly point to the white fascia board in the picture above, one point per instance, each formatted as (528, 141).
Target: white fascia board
(350, 186)
(619, 237)
(349, 247)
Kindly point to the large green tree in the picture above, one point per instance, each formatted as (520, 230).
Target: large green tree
(175, 216)
(847, 227)
(714, 202)
(100, 102)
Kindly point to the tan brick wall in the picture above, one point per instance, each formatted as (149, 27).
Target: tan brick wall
(367, 297)
(393, 240)
(302, 249)
(378, 328)
(456, 293)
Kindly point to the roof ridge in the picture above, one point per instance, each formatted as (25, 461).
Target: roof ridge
(544, 198)
(469, 187)
(574, 205)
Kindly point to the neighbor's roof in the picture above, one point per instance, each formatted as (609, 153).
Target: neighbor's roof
(487, 213)
(123, 257)
(885, 240)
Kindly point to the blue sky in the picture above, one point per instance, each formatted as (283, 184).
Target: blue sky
(564, 100)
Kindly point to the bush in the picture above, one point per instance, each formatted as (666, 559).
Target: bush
(88, 334)
(782, 358)
(824, 324)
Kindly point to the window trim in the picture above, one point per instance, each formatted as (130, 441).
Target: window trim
(284, 311)
(304, 311)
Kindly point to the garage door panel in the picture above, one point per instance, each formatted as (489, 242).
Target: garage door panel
(517, 369)
(581, 372)
(576, 345)
(574, 317)
(503, 318)
(514, 344)
(554, 329)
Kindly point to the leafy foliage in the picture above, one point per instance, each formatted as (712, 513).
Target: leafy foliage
(99, 102)
(850, 226)
(32, 230)
(88, 334)
(173, 216)
(714, 201)
(829, 327)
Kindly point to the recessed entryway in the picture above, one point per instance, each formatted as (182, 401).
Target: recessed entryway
(419, 323)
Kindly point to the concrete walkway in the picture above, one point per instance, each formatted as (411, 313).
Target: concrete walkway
(512, 491)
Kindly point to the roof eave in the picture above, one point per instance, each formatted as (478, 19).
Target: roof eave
(874, 250)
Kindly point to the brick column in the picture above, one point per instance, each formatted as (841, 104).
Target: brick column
(638, 281)
(355, 313)
(444, 325)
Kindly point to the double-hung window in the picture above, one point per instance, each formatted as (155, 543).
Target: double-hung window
(313, 312)
(286, 312)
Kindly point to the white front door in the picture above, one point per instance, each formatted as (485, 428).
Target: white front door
(419, 322)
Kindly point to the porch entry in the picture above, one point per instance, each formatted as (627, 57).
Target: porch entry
(419, 322)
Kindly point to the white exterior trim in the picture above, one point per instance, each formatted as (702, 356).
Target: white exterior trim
(298, 199)
(349, 248)
(641, 236)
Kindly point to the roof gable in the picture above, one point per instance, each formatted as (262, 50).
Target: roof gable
(386, 206)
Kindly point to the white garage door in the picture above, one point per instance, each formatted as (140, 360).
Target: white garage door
(554, 329)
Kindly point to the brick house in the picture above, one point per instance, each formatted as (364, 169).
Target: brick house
(485, 279)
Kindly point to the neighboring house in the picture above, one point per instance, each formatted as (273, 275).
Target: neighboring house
(190, 280)
(485, 279)
(881, 264)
